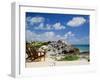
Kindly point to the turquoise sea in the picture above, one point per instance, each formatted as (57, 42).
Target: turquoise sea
(83, 48)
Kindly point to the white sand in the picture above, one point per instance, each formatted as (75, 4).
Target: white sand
(56, 63)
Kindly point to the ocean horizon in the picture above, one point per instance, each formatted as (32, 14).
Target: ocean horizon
(82, 48)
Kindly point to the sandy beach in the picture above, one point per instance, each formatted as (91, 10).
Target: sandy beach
(49, 62)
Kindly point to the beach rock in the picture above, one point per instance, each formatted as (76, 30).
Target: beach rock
(62, 47)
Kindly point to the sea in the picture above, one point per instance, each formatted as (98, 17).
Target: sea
(82, 48)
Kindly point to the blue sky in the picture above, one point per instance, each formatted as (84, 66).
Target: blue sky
(74, 28)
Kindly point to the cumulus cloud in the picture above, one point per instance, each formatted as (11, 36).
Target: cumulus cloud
(35, 20)
(76, 21)
(50, 34)
(69, 34)
(48, 27)
(58, 26)
(46, 36)
(38, 22)
(30, 35)
(42, 26)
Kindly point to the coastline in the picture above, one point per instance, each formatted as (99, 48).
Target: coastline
(83, 48)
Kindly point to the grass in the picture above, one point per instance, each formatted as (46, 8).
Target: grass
(69, 58)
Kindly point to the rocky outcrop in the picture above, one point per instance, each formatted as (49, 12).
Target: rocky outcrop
(62, 47)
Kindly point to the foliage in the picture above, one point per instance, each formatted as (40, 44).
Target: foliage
(36, 44)
(70, 58)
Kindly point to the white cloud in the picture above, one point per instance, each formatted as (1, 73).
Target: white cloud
(28, 19)
(46, 36)
(30, 35)
(69, 34)
(48, 27)
(84, 40)
(76, 21)
(35, 20)
(58, 26)
(39, 23)
(41, 26)
(81, 40)
(50, 34)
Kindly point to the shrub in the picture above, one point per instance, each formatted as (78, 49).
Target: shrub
(70, 58)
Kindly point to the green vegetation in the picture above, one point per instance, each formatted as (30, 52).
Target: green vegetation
(69, 58)
(37, 44)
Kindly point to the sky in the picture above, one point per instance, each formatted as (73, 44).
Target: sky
(74, 28)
